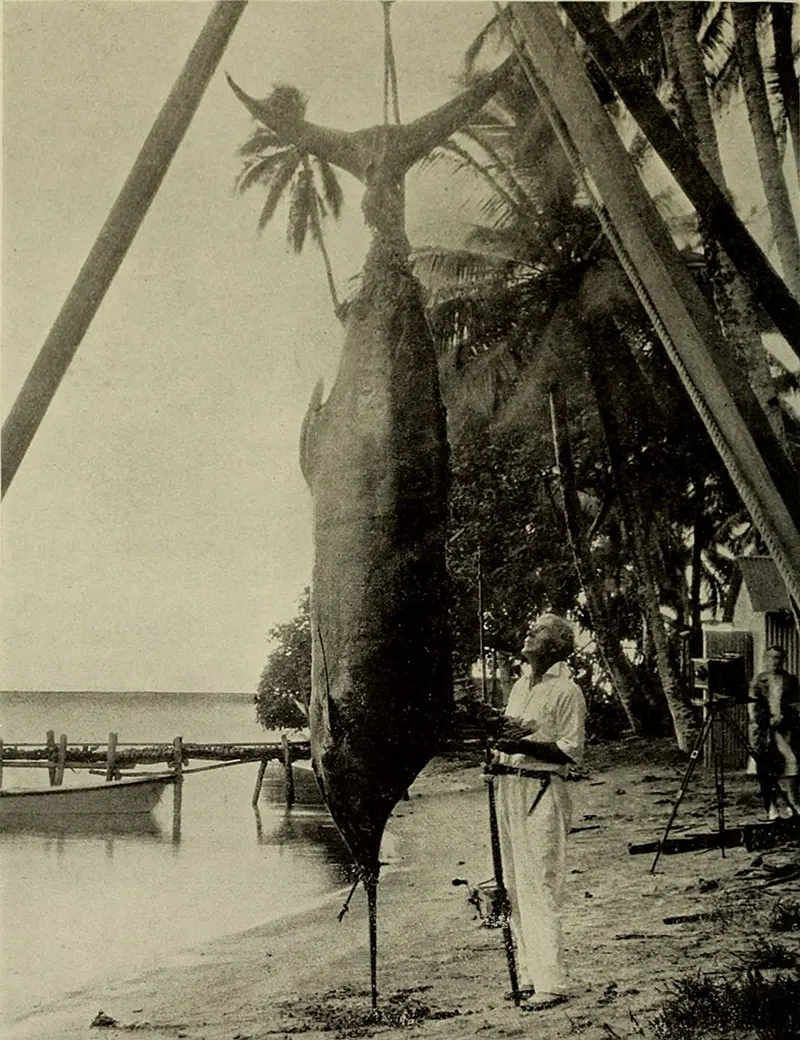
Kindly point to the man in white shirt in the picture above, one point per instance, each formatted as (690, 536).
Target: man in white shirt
(534, 807)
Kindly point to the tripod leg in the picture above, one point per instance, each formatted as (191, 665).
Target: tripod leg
(693, 757)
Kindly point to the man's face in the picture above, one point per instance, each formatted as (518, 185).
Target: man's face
(773, 660)
(537, 642)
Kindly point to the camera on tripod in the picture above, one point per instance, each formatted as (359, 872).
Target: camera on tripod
(717, 678)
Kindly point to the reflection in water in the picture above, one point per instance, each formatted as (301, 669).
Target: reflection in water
(82, 825)
(307, 832)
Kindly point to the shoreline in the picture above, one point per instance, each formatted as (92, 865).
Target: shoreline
(439, 969)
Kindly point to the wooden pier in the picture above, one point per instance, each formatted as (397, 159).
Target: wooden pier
(114, 760)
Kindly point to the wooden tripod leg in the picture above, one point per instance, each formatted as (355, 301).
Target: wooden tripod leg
(693, 757)
(371, 886)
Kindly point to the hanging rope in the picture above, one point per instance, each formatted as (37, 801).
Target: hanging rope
(389, 67)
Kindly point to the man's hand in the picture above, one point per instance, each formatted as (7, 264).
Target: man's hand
(516, 729)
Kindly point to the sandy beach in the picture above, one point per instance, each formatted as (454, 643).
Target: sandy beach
(441, 973)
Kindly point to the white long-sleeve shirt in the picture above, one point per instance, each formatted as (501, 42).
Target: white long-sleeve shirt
(557, 707)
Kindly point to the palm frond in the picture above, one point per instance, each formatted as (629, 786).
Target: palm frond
(332, 193)
(262, 170)
(493, 32)
(449, 272)
(259, 141)
(278, 185)
(300, 209)
(501, 169)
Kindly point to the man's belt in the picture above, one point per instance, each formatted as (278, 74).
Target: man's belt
(498, 769)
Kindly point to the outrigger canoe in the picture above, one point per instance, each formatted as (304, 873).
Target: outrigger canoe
(131, 796)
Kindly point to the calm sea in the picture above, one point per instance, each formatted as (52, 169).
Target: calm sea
(78, 908)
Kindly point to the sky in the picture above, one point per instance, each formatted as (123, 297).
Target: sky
(159, 525)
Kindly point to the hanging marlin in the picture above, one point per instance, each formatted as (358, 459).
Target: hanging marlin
(374, 455)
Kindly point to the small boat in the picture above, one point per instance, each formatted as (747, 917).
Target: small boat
(131, 796)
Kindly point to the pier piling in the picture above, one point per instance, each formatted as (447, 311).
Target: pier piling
(112, 772)
(61, 760)
(50, 740)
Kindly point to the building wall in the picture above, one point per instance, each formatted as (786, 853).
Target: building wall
(780, 630)
(744, 617)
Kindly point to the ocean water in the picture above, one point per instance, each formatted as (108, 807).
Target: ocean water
(77, 907)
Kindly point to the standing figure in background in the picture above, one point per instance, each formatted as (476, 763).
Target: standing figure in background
(534, 807)
(774, 712)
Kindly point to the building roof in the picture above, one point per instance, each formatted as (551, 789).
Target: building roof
(764, 584)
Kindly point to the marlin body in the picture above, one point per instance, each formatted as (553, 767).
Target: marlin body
(375, 458)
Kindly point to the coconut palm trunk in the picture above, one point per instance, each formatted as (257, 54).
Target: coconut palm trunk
(734, 302)
(776, 191)
(785, 72)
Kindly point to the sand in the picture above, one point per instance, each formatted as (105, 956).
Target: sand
(441, 972)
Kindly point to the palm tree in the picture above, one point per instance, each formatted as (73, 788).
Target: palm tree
(681, 23)
(311, 183)
(496, 306)
(745, 24)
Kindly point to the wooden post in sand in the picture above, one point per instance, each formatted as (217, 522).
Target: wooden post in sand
(1, 762)
(51, 744)
(288, 772)
(61, 760)
(177, 787)
(112, 773)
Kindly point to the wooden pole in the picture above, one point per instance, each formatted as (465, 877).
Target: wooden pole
(116, 236)
(111, 760)
(480, 627)
(288, 771)
(260, 780)
(177, 787)
(1, 761)
(50, 740)
(61, 761)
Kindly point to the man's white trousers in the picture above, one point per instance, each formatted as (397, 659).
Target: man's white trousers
(533, 846)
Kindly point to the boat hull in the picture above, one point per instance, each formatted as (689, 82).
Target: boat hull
(134, 796)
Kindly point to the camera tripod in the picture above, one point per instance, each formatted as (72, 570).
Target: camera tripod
(716, 709)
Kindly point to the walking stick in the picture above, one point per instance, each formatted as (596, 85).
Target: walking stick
(503, 904)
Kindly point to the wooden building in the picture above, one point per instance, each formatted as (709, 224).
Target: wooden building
(763, 608)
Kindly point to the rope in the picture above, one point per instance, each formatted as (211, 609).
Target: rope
(389, 67)
(748, 497)
(346, 904)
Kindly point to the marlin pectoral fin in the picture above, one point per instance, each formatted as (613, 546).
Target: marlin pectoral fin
(307, 433)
